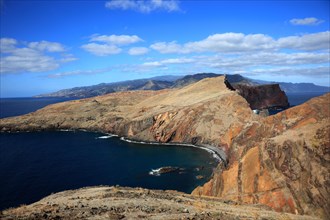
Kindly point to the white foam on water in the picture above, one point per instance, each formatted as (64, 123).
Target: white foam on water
(155, 172)
(105, 137)
(214, 153)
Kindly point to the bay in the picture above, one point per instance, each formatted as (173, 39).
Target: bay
(36, 164)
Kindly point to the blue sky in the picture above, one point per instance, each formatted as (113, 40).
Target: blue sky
(52, 45)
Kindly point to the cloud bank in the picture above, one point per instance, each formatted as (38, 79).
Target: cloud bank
(17, 57)
(239, 42)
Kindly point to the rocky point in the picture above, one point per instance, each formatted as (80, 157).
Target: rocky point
(280, 162)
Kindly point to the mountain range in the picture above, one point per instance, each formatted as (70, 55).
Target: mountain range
(170, 81)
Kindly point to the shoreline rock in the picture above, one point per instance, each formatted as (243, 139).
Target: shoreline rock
(270, 160)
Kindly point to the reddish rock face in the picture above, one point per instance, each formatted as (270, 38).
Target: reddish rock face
(199, 113)
(281, 161)
(263, 96)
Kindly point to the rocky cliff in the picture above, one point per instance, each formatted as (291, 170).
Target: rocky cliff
(263, 96)
(199, 113)
(281, 161)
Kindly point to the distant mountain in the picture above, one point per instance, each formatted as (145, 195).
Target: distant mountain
(295, 87)
(170, 81)
(169, 78)
(302, 87)
(188, 79)
(154, 83)
(105, 88)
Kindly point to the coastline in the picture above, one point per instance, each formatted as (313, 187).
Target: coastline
(189, 164)
(217, 152)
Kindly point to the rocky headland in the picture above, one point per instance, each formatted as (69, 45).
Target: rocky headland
(280, 161)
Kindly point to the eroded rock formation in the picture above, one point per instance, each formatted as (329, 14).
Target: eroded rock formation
(199, 113)
(263, 96)
(281, 161)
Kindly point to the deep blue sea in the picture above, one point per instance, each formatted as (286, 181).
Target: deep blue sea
(301, 97)
(19, 106)
(36, 164)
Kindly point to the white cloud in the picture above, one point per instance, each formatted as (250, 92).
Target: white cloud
(47, 46)
(263, 59)
(116, 39)
(27, 60)
(67, 58)
(101, 49)
(144, 6)
(315, 41)
(7, 44)
(110, 44)
(306, 21)
(40, 56)
(138, 51)
(239, 42)
(171, 47)
(305, 63)
(322, 72)
(226, 42)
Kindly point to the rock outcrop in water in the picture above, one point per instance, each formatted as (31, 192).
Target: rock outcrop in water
(281, 161)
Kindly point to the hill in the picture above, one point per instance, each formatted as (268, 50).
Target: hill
(169, 81)
(281, 161)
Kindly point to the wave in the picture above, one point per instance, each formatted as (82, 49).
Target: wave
(162, 170)
(106, 136)
(154, 172)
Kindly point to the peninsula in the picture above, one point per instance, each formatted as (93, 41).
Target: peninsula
(280, 162)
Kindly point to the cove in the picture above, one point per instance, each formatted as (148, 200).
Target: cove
(36, 164)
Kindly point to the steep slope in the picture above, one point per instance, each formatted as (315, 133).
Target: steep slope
(198, 113)
(263, 96)
(281, 161)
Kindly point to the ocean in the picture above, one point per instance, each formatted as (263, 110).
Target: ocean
(36, 164)
(19, 106)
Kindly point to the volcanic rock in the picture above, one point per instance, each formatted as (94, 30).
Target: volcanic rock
(263, 96)
(199, 113)
(281, 161)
